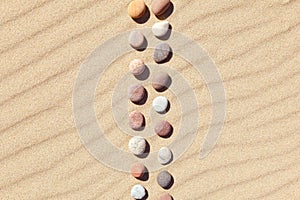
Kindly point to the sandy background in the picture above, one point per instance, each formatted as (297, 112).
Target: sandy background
(255, 45)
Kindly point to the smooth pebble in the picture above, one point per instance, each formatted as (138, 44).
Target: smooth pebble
(138, 170)
(164, 179)
(158, 7)
(160, 104)
(136, 93)
(163, 128)
(165, 196)
(136, 120)
(160, 29)
(137, 67)
(137, 145)
(165, 156)
(136, 9)
(137, 40)
(138, 192)
(161, 81)
(162, 53)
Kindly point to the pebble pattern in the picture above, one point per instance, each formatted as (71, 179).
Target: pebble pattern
(137, 40)
(164, 179)
(136, 9)
(165, 156)
(137, 67)
(136, 120)
(136, 93)
(160, 29)
(161, 81)
(160, 104)
(138, 192)
(158, 7)
(162, 53)
(137, 145)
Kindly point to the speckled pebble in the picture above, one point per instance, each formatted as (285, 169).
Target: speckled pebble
(162, 53)
(165, 196)
(138, 192)
(158, 7)
(138, 170)
(136, 9)
(136, 93)
(161, 81)
(137, 145)
(137, 67)
(136, 120)
(160, 104)
(163, 128)
(160, 29)
(164, 179)
(165, 156)
(137, 40)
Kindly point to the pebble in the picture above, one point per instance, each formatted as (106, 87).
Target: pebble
(164, 179)
(162, 52)
(138, 170)
(136, 9)
(160, 29)
(163, 128)
(138, 192)
(137, 145)
(165, 156)
(136, 120)
(137, 67)
(158, 7)
(136, 93)
(160, 104)
(161, 81)
(137, 40)
(165, 196)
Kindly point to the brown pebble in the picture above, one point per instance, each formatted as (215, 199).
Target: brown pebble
(136, 120)
(136, 9)
(161, 81)
(136, 93)
(158, 7)
(138, 170)
(163, 128)
(165, 196)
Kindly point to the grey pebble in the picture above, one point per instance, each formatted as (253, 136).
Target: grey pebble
(165, 156)
(161, 81)
(162, 53)
(137, 40)
(164, 179)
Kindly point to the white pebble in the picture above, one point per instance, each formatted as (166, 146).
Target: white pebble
(160, 104)
(137, 145)
(160, 29)
(165, 156)
(138, 192)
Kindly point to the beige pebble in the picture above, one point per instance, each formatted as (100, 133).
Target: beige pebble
(136, 9)
(137, 67)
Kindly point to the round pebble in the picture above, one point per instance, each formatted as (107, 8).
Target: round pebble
(136, 93)
(136, 120)
(165, 196)
(160, 29)
(138, 192)
(164, 179)
(137, 145)
(163, 128)
(158, 7)
(138, 170)
(160, 104)
(136, 9)
(137, 67)
(136, 40)
(162, 53)
(165, 156)
(161, 81)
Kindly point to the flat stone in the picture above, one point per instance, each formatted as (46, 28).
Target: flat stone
(158, 7)
(161, 81)
(136, 9)
(138, 192)
(137, 67)
(165, 196)
(162, 53)
(164, 179)
(163, 128)
(136, 120)
(136, 93)
(160, 104)
(165, 156)
(137, 145)
(137, 40)
(160, 29)
(138, 170)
